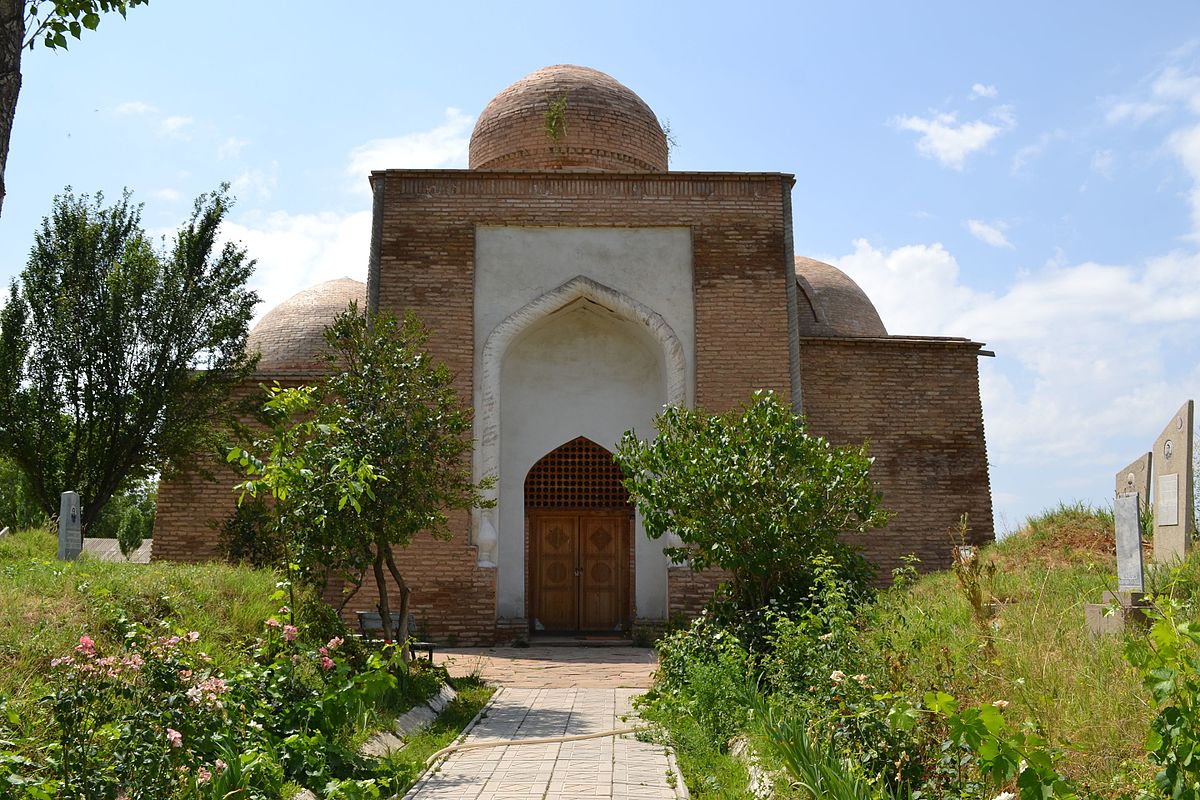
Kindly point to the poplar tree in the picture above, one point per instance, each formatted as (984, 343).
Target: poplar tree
(116, 356)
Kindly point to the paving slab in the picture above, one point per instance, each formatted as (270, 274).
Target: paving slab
(554, 667)
(615, 767)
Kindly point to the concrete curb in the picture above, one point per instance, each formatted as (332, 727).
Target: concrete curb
(433, 768)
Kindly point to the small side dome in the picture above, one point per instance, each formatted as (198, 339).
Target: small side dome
(831, 304)
(291, 336)
(567, 117)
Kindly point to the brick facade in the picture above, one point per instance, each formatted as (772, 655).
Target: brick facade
(915, 400)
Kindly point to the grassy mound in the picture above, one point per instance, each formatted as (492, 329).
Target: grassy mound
(1023, 647)
(49, 604)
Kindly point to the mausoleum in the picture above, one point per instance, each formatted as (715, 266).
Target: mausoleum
(575, 285)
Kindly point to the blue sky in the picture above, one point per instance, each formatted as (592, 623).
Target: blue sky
(1027, 175)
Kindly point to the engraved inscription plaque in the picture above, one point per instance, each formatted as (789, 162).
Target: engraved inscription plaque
(1167, 511)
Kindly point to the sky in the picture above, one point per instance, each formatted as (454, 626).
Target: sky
(1025, 174)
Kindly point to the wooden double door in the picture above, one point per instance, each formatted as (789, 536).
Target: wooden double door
(580, 566)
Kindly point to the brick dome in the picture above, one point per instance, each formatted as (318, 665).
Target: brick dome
(602, 126)
(291, 336)
(831, 304)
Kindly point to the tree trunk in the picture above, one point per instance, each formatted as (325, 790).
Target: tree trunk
(12, 35)
(405, 596)
(385, 616)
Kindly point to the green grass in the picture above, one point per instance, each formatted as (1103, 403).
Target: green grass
(1077, 688)
(406, 765)
(48, 604)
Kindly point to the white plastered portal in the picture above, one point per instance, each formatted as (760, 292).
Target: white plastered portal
(579, 359)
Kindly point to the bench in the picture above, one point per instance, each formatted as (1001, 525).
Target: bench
(370, 625)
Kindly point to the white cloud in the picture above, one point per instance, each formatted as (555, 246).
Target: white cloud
(1185, 145)
(1173, 85)
(167, 195)
(442, 147)
(135, 107)
(231, 148)
(1102, 163)
(989, 234)
(1133, 112)
(174, 125)
(983, 90)
(296, 251)
(1082, 349)
(260, 182)
(949, 141)
(1036, 149)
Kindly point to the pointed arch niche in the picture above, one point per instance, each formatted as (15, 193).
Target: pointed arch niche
(583, 359)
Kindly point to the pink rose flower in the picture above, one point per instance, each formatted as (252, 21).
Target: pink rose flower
(203, 776)
(86, 646)
(193, 636)
(174, 737)
(290, 632)
(326, 663)
(335, 643)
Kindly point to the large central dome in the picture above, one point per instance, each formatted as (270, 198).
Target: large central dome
(568, 118)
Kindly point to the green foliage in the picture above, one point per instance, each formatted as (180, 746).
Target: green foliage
(250, 537)
(1169, 661)
(752, 493)
(554, 122)
(52, 20)
(816, 768)
(19, 509)
(255, 706)
(385, 436)
(114, 356)
(129, 516)
(300, 466)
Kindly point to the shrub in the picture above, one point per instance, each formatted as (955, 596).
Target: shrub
(751, 492)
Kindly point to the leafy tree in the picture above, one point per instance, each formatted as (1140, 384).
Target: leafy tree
(300, 480)
(381, 460)
(753, 493)
(22, 24)
(400, 411)
(115, 356)
(18, 508)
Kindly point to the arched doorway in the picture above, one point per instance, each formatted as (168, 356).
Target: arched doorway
(579, 564)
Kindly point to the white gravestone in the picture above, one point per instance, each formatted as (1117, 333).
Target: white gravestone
(1129, 543)
(1173, 518)
(70, 534)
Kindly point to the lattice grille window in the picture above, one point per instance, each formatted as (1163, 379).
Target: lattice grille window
(578, 475)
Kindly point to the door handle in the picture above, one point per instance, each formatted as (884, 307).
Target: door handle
(578, 571)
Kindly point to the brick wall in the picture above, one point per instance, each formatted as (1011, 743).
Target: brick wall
(916, 401)
(742, 266)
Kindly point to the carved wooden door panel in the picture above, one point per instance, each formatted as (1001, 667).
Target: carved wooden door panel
(557, 582)
(600, 565)
(579, 573)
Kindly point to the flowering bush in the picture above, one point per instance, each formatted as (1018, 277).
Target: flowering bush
(160, 720)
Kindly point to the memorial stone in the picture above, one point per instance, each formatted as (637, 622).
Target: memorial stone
(1135, 479)
(70, 532)
(1129, 543)
(1173, 518)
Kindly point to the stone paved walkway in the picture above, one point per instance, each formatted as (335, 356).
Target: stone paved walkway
(620, 768)
(561, 667)
(554, 691)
